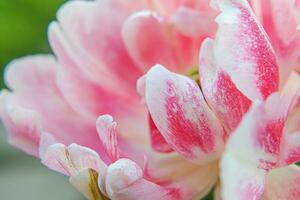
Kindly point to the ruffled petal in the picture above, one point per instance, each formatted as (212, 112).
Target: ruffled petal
(101, 51)
(23, 125)
(151, 40)
(242, 49)
(180, 112)
(32, 80)
(77, 88)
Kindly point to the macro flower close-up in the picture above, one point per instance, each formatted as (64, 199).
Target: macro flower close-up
(164, 99)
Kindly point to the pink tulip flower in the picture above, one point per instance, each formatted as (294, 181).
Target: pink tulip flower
(202, 98)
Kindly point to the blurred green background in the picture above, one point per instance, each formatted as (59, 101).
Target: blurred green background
(23, 27)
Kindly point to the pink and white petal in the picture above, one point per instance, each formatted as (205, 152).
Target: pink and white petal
(106, 128)
(254, 149)
(72, 159)
(242, 49)
(181, 114)
(223, 96)
(274, 15)
(124, 181)
(160, 43)
(262, 130)
(23, 125)
(86, 183)
(290, 150)
(101, 48)
(283, 183)
(158, 142)
(240, 179)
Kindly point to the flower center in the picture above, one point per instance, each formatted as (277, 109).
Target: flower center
(193, 73)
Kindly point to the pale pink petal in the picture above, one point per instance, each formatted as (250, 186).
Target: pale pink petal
(86, 183)
(194, 23)
(223, 96)
(293, 122)
(168, 8)
(72, 159)
(174, 171)
(124, 181)
(108, 135)
(32, 80)
(181, 114)
(96, 38)
(243, 51)
(98, 99)
(253, 149)
(23, 125)
(283, 183)
(46, 140)
(151, 40)
(291, 90)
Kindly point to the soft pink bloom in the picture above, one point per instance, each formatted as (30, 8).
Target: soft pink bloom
(175, 132)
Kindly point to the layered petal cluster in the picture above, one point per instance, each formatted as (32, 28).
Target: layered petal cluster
(202, 96)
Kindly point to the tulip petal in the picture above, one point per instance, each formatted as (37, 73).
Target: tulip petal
(253, 149)
(124, 181)
(243, 51)
(32, 80)
(274, 15)
(177, 172)
(72, 82)
(23, 125)
(159, 43)
(108, 135)
(101, 51)
(157, 140)
(290, 152)
(223, 96)
(194, 23)
(241, 180)
(181, 114)
(283, 183)
(72, 159)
